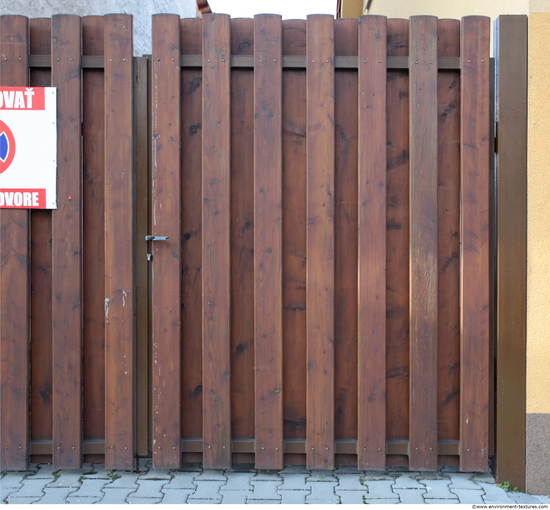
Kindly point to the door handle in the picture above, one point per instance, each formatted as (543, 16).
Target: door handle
(156, 238)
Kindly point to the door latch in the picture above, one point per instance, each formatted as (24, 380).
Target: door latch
(156, 238)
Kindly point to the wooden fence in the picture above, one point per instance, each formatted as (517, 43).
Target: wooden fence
(323, 294)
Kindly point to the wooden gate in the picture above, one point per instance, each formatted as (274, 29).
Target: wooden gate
(322, 296)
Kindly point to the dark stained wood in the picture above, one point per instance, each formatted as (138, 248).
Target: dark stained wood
(397, 239)
(93, 241)
(474, 173)
(423, 243)
(120, 284)
(345, 237)
(448, 215)
(294, 238)
(268, 245)
(320, 241)
(166, 263)
(41, 274)
(67, 245)
(14, 282)
(191, 232)
(510, 48)
(242, 234)
(216, 267)
(371, 440)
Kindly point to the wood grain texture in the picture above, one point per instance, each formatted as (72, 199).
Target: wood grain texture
(14, 279)
(371, 440)
(242, 235)
(41, 273)
(93, 240)
(345, 236)
(294, 237)
(67, 245)
(120, 284)
(448, 218)
(423, 243)
(397, 240)
(166, 267)
(216, 267)
(268, 246)
(474, 285)
(320, 241)
(191, 231)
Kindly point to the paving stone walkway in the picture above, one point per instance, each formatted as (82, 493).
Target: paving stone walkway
(243, 484)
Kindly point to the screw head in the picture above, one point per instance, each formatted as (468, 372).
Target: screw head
(209, 446)
(263, 448)
(379, 449)
(74, 447)
(20, 447)
(173, 447)
(312, 448)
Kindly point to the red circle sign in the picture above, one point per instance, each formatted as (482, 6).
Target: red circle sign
(7, 146)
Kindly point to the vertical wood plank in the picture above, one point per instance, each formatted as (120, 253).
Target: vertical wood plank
(474, 285)
(119, 257)
(448, 217)
(14, 279)
(166, 269)
(191, 228)
(345, 238)
(67, 245)
(216, 267)
(371, 441)
(294, 235)
(268, 183)
(320, 241)
(93, 235)
(423, 243)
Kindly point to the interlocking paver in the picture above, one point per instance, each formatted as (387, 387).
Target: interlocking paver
(31, 488)
(322, 491)
(267, 476)
(44, 471)
(203, 501)
(523, 499)
(442, 501)
(264, 489)
(90, 488)
(469, 497)
(115, 496)
(124, 481)
(484, 477)
(321, 476)
(351, 497)
(238, 481)
(406, 482)
(176, 496)
(544, 499)
(293, 497)
(182, 480)
(149, 489)
(241, 467)
(380, 489)
(22, 501)
(5, 492)
(382, 501)
(207, 490)
(376, 475)
(462, 481)
(98, 472)
(494, 494)
(211, 475)
(294, 469)
(349, 483)
(143, 501)
(56, 495)
(348, 470)
(235, 497)
(156, 474)
(438, 489)
(411, 496)
(68, 478)
(13, 479)
(265, 501)
(83, 501)
(295, 482)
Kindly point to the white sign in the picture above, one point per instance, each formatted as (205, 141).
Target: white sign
(28, 147)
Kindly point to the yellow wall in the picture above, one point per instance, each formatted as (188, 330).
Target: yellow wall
(538, 216)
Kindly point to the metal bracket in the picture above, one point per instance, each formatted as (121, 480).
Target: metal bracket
(156, 238)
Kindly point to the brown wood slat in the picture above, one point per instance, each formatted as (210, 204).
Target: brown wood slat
(423, 243)
(474, 285)
(216, 266)
(397, 239)
(268, 246)
(320, 241)
(93, 240)
(191, 229)
(372, 243)
(242, 235)
(166, 263)
(14, 278)
(345, 237)
(448, 217)
(119, 258)
(294, 236)
(67, 245)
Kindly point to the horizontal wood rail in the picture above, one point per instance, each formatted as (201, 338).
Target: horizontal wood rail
(247, 61)
(195, 445)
